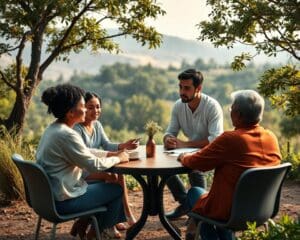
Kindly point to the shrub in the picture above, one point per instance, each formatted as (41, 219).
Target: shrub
(293, 158)
(132, 184)
(285, 229)
(11, 185)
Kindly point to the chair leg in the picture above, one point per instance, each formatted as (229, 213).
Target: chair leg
(266, 226)
(53, 231)
(197, 233)
(96, 226)
(37, 229)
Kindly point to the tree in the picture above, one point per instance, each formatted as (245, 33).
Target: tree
(139, 109)
(6, 97)
(56, 28)
(290, 126)
(271, 26)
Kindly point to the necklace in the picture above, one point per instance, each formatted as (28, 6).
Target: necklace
(89, 129)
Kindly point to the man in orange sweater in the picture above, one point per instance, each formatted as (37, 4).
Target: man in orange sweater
(248, 145)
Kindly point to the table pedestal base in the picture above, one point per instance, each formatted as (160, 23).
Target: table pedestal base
(153, 205)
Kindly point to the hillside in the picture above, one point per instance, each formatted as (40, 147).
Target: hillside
(173, 51)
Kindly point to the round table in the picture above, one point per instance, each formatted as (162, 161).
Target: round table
(156, 170)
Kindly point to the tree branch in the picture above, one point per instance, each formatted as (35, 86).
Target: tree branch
(261, 19)
(283, 41)
(68, 47)
(25, 6)
(19, 61)
(5, 80)
(115, 35)
(57, 50)
(104, 18)
(279, 43)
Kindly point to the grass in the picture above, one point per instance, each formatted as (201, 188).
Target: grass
(11, 184)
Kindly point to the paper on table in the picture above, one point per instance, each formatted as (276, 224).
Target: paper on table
(177, 151)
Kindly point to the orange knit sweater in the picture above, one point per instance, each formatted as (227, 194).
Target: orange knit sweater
(229, 155)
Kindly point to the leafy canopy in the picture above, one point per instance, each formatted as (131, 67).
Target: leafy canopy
(271, 26)
(282, 86)
(52, 29)
(75, 25)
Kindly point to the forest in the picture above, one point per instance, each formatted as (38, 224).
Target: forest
(132, 95)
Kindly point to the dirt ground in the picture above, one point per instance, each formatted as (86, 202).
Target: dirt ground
(17, 221)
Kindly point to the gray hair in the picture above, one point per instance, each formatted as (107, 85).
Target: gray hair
(249, 104)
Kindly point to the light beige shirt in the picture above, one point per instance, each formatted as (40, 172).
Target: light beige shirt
(63, 155)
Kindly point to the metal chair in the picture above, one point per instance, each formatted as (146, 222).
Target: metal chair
(256, 198)
(39, 196)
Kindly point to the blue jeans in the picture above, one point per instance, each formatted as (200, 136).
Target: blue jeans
(207, 231)
(98, 194)
(176, 186)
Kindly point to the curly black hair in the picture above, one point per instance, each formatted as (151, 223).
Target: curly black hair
(61, 98)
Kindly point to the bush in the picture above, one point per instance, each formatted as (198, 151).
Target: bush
(285, 229)
(132, 184)
(11, 185)
(293, 158)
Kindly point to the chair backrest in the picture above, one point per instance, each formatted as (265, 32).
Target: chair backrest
(257, 196)
(38, 189)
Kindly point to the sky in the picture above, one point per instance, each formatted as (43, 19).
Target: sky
(181, 17)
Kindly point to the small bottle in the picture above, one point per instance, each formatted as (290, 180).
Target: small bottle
(150, 147)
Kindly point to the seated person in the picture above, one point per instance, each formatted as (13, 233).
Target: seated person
(248, 145)
(94, 136)
(200, 118)
(63, 155)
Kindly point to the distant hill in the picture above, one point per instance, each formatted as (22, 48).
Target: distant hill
(172, 52)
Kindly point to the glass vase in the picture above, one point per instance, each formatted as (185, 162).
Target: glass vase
(150, 147)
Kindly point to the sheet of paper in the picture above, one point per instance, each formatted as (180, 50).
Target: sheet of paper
(177, 151)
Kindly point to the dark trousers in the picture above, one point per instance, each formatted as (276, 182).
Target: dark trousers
(177, 188)
(211, 232)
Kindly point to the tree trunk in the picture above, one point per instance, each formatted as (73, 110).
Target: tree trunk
(16, 119)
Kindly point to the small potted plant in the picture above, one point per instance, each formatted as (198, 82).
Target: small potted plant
(151, 128)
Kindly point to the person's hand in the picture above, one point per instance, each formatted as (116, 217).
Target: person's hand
(113, 154)
(180, 144)
(180, 157)
(124, 156)
(130, 144)
(170, 142)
